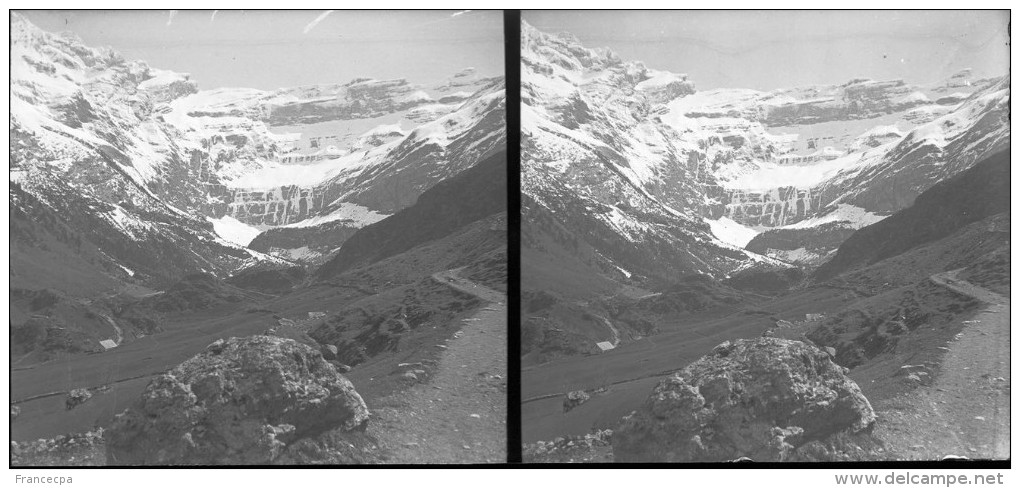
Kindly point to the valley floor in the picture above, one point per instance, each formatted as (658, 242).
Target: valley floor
(961, 408)
(459, 416)
(965, 410)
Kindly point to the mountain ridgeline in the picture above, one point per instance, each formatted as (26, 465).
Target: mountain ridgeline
(474, 194)
(977, 193)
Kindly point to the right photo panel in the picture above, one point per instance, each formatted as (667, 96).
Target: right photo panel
(764, 236)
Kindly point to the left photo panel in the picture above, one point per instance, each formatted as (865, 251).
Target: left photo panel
(257, 238)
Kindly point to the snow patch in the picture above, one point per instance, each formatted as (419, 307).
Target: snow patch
(731, 232)
(162, 78)
(659, 79)
(857, 217)
(780, 176)
(234, 231)
(300, 254)
(800, 255)
(358, 215)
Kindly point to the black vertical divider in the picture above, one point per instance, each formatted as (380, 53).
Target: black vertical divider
(512, 60)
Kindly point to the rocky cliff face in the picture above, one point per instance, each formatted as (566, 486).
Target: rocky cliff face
(598, 131)
(765, 399)
(383, 168)
(773, 207)
(362, 98)
(256, 400)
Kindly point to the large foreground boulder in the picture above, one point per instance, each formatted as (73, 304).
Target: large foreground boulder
(252, 400)
(765, 399)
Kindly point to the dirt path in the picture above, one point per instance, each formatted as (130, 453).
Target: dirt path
(120, 333)
(612, 329)
(965, 411)
(459, 416)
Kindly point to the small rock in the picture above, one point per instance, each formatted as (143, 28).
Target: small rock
(77, 397)
(216, 347)
(343, 368)
(329, 351)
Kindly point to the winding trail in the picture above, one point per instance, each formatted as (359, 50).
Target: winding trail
(612, 329)
(116, 328)
(965, 411)
(459, 416)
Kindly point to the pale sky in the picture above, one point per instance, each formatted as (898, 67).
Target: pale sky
(766, 50)
(274, 49)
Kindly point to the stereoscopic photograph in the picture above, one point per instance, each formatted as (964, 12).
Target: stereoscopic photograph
(247, 238)
(257, 237)
(765, 236)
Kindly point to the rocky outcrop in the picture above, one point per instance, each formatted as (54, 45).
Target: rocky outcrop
(77, 397)
(254, 400)
(78, 449)
(766, 399)
(575, 399)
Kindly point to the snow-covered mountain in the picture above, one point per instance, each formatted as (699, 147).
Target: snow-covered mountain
(660, 178)
(166, 179)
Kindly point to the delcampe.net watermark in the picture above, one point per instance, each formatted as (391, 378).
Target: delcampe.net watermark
(909, 478)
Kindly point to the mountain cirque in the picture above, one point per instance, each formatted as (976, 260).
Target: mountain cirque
(144, 164)
(631, 157)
